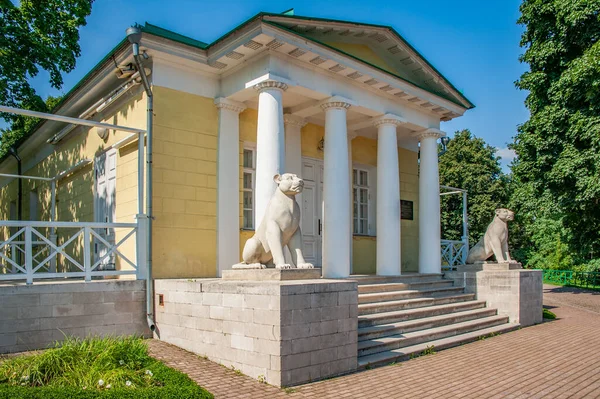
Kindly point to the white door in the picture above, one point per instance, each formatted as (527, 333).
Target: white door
(312, 210)
(105, 200)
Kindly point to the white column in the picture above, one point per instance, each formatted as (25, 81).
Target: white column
(293, 143)
(293, 156)
(430, 259)
(228, 186)
(389, 260)
(351, 136)
(336, 189)
(270, 143)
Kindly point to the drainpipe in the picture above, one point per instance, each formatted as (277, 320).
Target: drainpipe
(134, 34)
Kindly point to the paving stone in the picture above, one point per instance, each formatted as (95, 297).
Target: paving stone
(551, 360)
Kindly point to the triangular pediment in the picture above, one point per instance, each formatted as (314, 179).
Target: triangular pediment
(378, 46)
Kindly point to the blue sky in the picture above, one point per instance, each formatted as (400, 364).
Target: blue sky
(475, 44)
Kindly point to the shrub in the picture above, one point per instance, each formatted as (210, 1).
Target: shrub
(94, 368)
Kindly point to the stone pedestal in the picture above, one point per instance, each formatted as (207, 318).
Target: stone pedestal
(516, 293)
(272, 274)
(489, 266)
(285, 332)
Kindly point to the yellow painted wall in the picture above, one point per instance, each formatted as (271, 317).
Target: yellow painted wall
(364, 53)
(185, 185)
(364, 151)
(75, 192)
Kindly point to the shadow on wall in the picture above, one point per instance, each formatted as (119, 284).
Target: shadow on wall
(76, 192)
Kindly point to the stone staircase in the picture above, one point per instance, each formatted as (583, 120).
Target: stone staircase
(400, 317)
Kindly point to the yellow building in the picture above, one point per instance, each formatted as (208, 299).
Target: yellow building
(346, 106)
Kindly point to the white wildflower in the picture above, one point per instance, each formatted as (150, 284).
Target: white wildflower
(128, 383)
(121, 362)
(22, 383)
(25, 377)
(108, 386)
(148, 372)
(100, 382)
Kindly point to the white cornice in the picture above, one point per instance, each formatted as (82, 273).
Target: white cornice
(230, 105)
(362, 68)
(400, 42)
(389, 119)
(430, 132)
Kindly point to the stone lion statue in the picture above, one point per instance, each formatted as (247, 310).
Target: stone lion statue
(280, 227)
(495, 240)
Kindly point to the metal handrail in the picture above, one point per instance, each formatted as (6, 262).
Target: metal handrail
(573, 278)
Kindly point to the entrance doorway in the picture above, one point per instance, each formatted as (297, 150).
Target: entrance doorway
(312, 210)
(105, 206)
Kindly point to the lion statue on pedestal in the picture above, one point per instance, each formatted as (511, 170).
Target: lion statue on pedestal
(280, 227)
(495, 240)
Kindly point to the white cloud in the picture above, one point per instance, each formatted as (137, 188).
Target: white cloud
(506, 154)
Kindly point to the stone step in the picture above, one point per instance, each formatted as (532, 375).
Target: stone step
(383, 330)
(381, 307)
(407, 294)
(417, 313)
(392, 342)
(401, 354)
(405, 278)
(385, 287)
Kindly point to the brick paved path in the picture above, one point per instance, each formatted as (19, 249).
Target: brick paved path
(557, 359)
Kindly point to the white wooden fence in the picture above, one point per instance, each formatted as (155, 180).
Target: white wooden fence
(29, 250)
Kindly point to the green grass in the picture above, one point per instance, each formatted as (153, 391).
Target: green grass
(549, 315)
(94, 368)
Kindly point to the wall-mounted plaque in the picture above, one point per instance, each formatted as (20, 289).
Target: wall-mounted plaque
(406, 210)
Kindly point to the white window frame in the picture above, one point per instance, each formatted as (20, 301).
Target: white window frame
(368, 188)
(252, 172)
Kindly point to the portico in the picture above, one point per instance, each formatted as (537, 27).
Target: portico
(283, 108)
(353, 110)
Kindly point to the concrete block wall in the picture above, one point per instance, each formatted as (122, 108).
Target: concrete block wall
(36, 316)
(515, 293)
(287, 332)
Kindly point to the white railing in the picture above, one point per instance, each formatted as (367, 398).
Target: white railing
(454, 253)
(29, 250)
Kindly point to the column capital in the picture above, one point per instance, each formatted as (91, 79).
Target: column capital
(294, 120)
(430, 133)
(389, 119)
(335, 102)
(231, 105)
(270, 84)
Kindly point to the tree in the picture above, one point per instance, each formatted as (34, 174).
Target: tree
(471, 164)
(36, 35)
(557, 170)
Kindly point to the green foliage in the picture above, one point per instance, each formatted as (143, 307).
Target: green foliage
(548, 237)
(21, 125)
(35, 36)
(548, 314)
(94, 368)
(557, 172)
(470, 163)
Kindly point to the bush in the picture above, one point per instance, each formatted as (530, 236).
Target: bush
(95, 368)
